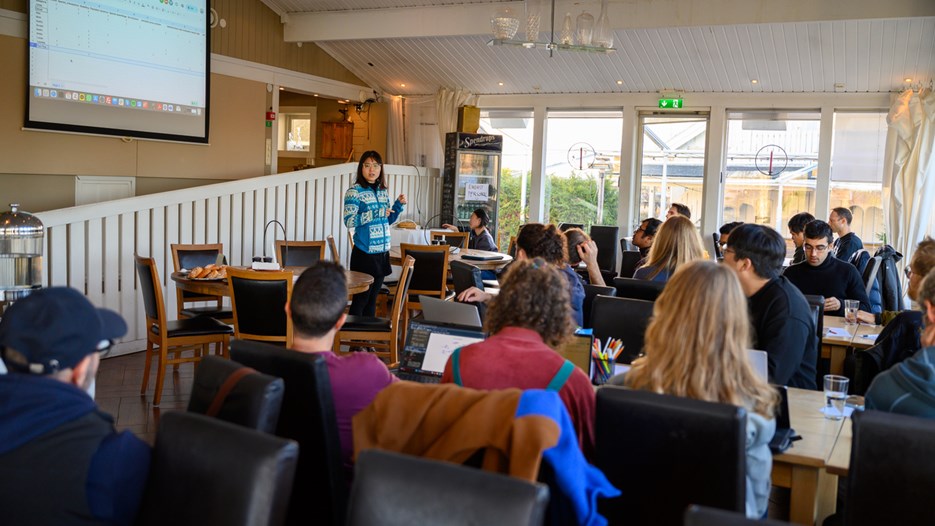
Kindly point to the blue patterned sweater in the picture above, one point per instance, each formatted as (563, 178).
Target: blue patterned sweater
(365, 211)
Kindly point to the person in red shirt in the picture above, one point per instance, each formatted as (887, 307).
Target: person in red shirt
(527, 321)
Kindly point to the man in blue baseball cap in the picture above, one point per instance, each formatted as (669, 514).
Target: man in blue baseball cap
(61, 460)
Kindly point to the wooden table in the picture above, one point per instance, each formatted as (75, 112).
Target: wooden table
(802, 468)
(396, 258)
(834, 347)
(840, 460)
(357, 282)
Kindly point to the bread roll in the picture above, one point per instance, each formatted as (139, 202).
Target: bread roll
(214, 274)
(196, 273)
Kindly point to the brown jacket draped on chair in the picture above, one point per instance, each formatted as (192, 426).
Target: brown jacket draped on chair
(451, 423)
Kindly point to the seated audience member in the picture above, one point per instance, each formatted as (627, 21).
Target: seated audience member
(536, 240)
(830, 277)
(61, 460)
(527, 321)
(847, 242)
(676, 243)
(797, 231)
(582, 248)
(697, 347)
(909, 386)
(678, 209)
(480, 238)
(643, 238)
(779, 314)
(316, 309)
(725, 231)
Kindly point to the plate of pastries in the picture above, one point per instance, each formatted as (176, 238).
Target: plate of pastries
(208, 272)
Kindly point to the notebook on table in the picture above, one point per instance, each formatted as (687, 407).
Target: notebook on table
(451, 312)
(428, 346)
(482, 257)
(785, 435)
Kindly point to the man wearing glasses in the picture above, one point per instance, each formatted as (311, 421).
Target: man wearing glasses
(643, 238)
(61, 460)
(830, 277)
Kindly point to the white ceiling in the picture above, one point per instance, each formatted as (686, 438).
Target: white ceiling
(802, 56)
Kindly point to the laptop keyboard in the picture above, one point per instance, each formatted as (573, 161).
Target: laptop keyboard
(420, 378)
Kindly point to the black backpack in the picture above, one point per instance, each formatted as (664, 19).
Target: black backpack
(897, 341)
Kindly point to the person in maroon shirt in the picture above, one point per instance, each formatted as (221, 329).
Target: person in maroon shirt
(316, 309)
(528, 320)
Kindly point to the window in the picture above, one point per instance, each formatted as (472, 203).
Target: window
(857, 172)
(672, 163)
(582, 165)
(516, 168)
(296, 131)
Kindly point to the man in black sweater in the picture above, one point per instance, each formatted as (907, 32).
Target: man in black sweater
(797, 231)
(847, 242)
(830, 277)
(781, 318)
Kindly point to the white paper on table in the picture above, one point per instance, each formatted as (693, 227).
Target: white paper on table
(871, 337)
(848, 410)
(839, 332)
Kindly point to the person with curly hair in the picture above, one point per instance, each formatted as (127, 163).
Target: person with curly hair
(676, 243)
(697, 347)
(527, 321)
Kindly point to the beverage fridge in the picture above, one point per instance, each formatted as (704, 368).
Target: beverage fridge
(471, 177)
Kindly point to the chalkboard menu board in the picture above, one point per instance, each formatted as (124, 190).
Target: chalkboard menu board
(471, 177)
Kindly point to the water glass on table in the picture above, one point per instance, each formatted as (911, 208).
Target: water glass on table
(850, 311)
(835, 396)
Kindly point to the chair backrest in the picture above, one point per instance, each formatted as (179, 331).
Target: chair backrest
(189, 256)
(717, 246)
(401, 299)
(236, 394)
(333, 247)
(625, 319)
(299, 253)
(457, 239)
(817, 302)
(567, 226)
(400, 490)
(430, 275)
(683, 452)
(591, 292)
(638, 289)
(205, 471)
(628, 261)
(892, 466)
(258, 300)
(605, 237)
(511, 249)
(704, 516)
(871, 271)
(319, 493)
(151, 288)
(464, 275)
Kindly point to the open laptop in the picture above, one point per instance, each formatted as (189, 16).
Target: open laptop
(428, 346)
(785, 435)
(452, 312)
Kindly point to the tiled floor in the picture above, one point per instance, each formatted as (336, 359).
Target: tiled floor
(118, 393)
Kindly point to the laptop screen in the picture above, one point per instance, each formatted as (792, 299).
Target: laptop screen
(428, 345)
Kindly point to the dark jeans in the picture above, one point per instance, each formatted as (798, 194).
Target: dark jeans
(378, 266)
(365, 303)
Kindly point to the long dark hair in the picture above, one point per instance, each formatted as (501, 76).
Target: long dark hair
(361, 181)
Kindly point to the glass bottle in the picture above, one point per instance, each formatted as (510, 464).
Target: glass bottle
(566, 37)
(603, 32)
(585, 28)
(533, 19)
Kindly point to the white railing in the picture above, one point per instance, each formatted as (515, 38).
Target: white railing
(91, 247)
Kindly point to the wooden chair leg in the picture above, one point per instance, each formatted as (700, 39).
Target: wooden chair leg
(160, 374)
(146, 368)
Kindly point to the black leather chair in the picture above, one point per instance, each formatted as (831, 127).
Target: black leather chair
(231, 392)
(259, 300)
(625, 319)
(638, 289)
(591, 292)
(319, 492)
(430, 273)
(464, 276)
(399, 490)
(891, 471)
(299, 253)
(205, 471)
(666, 452)
(567, 226)
(605, 237)
(628, 261)
(716, 237)
(704, 516)
(817, 305)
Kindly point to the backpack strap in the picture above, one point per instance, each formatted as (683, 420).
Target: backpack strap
(558, 381)
(456, 367)
(226, 388)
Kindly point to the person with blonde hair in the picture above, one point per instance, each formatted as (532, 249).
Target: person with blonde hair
(527, 321)
(676, 243)
(696, 346)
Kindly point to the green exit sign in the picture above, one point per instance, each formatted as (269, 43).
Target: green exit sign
(670, 103)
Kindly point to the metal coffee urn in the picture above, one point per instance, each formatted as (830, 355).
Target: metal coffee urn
(21, 241)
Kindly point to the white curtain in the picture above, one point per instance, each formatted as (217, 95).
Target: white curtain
(447, 103)
(396, 142)
(909, 170)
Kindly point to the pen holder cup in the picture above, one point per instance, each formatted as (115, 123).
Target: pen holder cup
(603, 370)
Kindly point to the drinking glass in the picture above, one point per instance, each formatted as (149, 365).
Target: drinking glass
(850, 311)
(835, 396)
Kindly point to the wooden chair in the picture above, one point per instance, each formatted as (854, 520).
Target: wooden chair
(457, 239)
(167, 340)
(431, 275)
(259, 300)
(511, 249)
(383, 333)
(299, 253)
(187, 256)
(334, 249)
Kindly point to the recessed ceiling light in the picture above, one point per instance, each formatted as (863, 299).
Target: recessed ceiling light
(754, 81)
(500, 83)
(619, 82)
(315, 95)
(281, 88)
(907, 79)
(402, 85)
